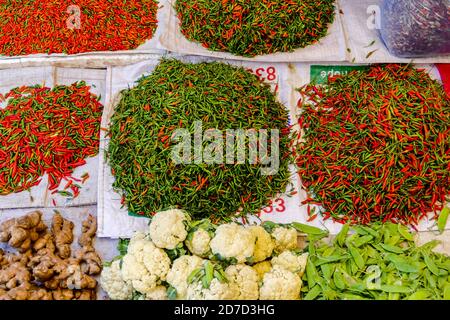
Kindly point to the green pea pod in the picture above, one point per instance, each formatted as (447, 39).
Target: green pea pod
(447, 292)
(391, 248)
(193, 275)
(393, 240)
(370, 231)
(205, 283)
(330, 294)
(401, 263)
(393, 296)
(430, 264)
(395, 288)
(311, 248)
(360, 230)
(311, 273)
(304, 228)
(350, 296)
(353, 267)
(357, 257)
(219, 275)
(420, 295)
(326, 271)
(392, 227)
(313, 293)
(362, 240)
(338, 280)
(342, 235)
(209, 271)
(442, 220)
(328, 252)
(325, 260)
(404, 232)
(430, 278)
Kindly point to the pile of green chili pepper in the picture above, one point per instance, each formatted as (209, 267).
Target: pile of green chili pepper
(379, 261)
(47, 131)
(175, 96)
(255, 27)
(375, 145)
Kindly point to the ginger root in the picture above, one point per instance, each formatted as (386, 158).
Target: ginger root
(21, 232)
(44, 268)
(62, 230)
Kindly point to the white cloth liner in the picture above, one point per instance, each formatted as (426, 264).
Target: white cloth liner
(349, 30)
(330, 48)
(359, 35)
(152, 45)
(301, 76)
(39, 196)
(114, 221)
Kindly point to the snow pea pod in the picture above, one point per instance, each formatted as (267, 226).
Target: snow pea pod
(391, 248)
(420, 295)
(357, 257)
(304, 228)
(313, 293)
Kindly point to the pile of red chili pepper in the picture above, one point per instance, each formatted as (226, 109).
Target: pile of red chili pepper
(46, 131)
(375, 146)
(75, 26)
(255, 27)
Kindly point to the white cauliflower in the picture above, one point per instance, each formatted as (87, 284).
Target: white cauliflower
(159, 293)
(280, 284)
(112, 282)
(198, 242)
(181, 269)
(168, 229)
(262, 268)
(233, 241)
(285, 238)
(246, 278)
(144, 265)
(216, 291)
(292, 262)
(264, 244)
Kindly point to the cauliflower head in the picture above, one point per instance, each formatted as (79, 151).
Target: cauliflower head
(285, 238)
(280, 284)
(180, 271)
(233, 241)
(262, 268)
(216, 291)
(168, 228)
(112, 282)
(292, 262)
(264, 244)
(198, 242)
(246, 279)
(144, 265)
(159, 293)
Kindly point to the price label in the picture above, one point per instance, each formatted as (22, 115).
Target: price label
(268, 74)
(277, 205)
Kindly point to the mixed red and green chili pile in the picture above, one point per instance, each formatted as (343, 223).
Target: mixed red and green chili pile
(29, 27)
(47, 131)
(173, 97)
(375, 145)
(255, 27)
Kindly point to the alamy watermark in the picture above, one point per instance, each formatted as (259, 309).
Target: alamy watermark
(374, 19)
(74, 21)
(230, 146)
